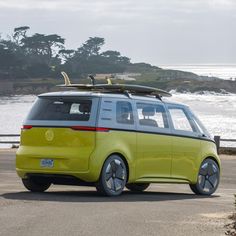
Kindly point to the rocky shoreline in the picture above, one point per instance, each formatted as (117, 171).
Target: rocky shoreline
(178, 81)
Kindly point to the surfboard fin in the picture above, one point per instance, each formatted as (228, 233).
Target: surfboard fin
(66, 78)
(92, 79)
(109, 81)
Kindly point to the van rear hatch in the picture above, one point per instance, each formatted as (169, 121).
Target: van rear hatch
(58, 134)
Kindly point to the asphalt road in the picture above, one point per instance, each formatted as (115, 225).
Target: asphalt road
(67, 210)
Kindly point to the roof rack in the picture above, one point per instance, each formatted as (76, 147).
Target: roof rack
(127, 89)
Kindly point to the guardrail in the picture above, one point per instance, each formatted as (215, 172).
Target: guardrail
(224, 150)
(218, 140)
(7, 141)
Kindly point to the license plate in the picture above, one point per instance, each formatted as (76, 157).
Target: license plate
(48, 163)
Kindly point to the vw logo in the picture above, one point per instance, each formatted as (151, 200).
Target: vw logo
(49, 135)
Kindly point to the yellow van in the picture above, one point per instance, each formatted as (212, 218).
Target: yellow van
(114, 137)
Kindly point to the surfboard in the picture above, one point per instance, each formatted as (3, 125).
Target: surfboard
(133, 89)
(123, 88)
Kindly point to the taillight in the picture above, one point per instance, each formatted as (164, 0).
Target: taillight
(88, 128)
(26, 127)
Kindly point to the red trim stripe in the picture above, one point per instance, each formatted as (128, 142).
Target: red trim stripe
(88, 128)
(81, 128)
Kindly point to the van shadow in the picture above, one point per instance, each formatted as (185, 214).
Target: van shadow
(93, 196)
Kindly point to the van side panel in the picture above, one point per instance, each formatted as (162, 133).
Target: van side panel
(185, 157)
(189, 154)
(154, 155)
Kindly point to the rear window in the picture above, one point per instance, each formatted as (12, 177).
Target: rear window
(61, 108)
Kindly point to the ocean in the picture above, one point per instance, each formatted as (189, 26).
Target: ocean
(216, 111)
(221, 71)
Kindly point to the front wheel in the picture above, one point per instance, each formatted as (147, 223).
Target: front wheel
(208, 178)
(113, 177)
(34, 185)
(139, 187)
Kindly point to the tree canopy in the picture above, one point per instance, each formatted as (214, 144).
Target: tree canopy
(42, 56)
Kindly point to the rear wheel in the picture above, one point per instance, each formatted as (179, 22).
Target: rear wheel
(34, 185)
(208, 178)
(113, 177)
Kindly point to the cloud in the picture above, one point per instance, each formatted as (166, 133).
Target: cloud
(125, 12)
(116, 6)
(171, 31)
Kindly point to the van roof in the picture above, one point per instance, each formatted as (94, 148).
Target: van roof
(108, 95)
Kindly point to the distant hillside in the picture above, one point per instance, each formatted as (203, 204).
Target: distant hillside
(32, 64)
(180, 81)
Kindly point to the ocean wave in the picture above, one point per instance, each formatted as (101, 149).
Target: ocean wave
(205, 92)
(227, 72)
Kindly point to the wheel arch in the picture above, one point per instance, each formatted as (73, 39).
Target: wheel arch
(123, 158)
(200, 161)
(214, 159)
(196, 186)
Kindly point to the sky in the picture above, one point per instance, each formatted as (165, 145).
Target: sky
(160, 32)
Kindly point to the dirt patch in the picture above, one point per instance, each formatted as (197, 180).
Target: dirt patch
(215, 215)
(231, 228)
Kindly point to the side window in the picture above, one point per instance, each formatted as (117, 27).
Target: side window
(180, 120)
(124, 113)
(152, 115)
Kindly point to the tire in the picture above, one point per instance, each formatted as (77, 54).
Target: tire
(208, 178)
(113, 177)
(35, 186)
(139, 187)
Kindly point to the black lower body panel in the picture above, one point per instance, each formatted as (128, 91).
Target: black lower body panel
(59, 179)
